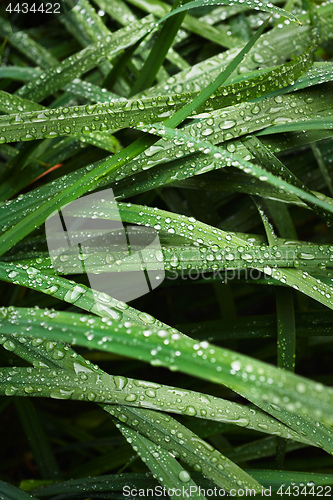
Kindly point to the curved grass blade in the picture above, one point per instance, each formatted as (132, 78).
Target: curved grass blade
(269, 161)
(247, 167)
(181, 442)
(205, 234)
(292, 401)
(77, 186)
(85, 119)
(187, 446)
(134, 393)
(198, 453)
(161, 463)
(184, 173)
(179, 251)
(273, 46)
(83, 61)
(10, 492)
(206, 258)
(224, 125)
(219, 36)
(254, 4)
(16, 104)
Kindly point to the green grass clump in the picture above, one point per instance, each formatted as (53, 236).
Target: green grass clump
(212, 123)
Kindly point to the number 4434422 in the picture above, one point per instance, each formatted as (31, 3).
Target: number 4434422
(315, 491)
(24, 8)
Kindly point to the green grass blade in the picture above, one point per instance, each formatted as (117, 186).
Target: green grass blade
(10, 492)
(206, 257)
(187, 446)
(198, 453)
(25, 44)
(43, 455)
(325, 122)
(267, 7)
(161, 463)
(286, 338)
(291, 478)
(302, 395)
(161, 9)
(73, 190)
(247, 167)
(228, 137)
(182, 443)
(188, 109)
(83, 61)
(158, 52)
(137, 393)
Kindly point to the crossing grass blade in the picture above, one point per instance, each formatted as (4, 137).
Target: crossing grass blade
(10, 492)
(83, 61)
(249, 4)
(14, 382)
(119, 114)
(162, 464)
(44, 456)
(159, 50)
(202, 456)
(161, 10)
(92, 177)
(227, 367)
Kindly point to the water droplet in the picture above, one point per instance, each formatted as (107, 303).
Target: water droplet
(224, 125)
(150, 393)
(85, 130)
(120, 382)
(236, 366)
(9, 345)
(184, 476)
(131, 397)
(11, 390)
(146, 318)
(61, 394)
(305, 255)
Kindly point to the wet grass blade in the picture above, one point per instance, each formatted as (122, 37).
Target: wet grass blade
(79, 187)
(43, 454)
(137, 393)
(228, 369)
(161, 463)
(158, 52)
(237, 143)
(10, 492)
(83, 61)
(272, 9)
